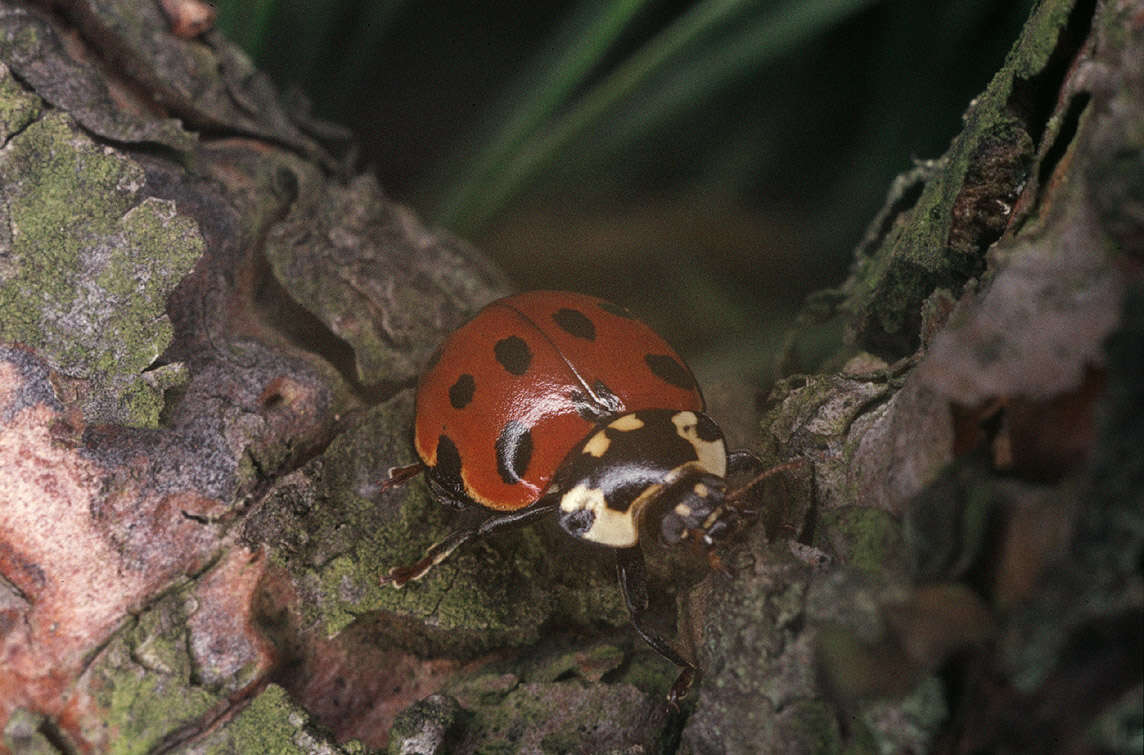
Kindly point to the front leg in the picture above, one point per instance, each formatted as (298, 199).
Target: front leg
(633, 584)
(748, 461)
(478, 523)
(743, 460)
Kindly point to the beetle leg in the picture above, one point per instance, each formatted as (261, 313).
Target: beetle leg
(681, 687)
(399, 575)
(633, 584)
(743, 460)
(400, 475)
(436, 553)
(705, 550)
(716, 564)
(517, 518)
(777, 469)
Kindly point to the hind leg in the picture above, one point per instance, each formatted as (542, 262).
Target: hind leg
(478, 523)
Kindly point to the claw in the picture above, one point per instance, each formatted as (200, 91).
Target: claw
(399, 476)
(681, 687)
(398, 576)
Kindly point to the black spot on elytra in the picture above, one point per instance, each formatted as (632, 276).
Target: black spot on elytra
(577, 522)
(617, 310)
(513, 354)
(514, 451)
(461, 392)
(575, 323)
(447, 471)
(670, 371)
(707, 430)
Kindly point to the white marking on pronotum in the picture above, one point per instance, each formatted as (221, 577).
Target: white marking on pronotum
(712, 454)
(609, 526)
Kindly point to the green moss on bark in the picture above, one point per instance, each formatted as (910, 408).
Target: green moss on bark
(18, 107)
(272, 724)
(143, 682)
(939, 240)
(91, 265)
(337, 538)
(864, 538)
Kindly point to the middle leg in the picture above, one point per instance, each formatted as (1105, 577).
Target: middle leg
(633, 584)
(478, 524)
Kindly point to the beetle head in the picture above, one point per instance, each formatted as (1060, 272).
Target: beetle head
(694, 510)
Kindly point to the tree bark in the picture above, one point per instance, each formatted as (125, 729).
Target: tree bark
(210, 329)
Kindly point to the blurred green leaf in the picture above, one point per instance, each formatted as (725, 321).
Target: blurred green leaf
(246, 22)
(562, 68)
(698, 63)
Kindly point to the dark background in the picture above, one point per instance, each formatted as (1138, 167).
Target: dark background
(707, 164)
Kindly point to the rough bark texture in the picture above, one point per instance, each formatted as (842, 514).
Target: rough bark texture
(210, 327)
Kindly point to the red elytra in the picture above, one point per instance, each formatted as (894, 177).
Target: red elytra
(517, 387)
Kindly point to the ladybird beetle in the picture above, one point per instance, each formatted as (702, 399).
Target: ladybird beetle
(550, 403)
